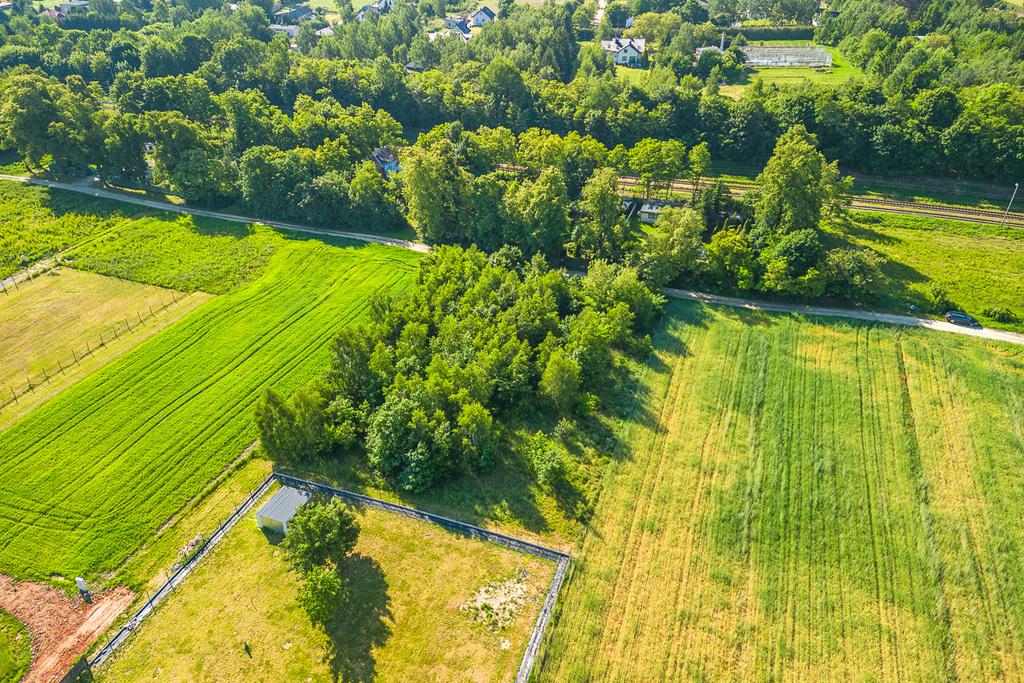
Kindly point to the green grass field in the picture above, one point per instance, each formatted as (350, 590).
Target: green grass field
(840, 72)
(181, 252)
(403, 622)
(50, 324)
(37, 223)
(807, 501)
(15, 649)
(94, 472)
(979, 266)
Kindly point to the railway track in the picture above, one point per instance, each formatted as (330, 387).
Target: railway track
(961, 213)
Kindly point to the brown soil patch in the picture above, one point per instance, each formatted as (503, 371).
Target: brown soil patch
(62, 628)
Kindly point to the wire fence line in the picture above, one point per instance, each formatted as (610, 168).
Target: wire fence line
(536, 636)
(561, 559)
(128, 324)
(180, 575)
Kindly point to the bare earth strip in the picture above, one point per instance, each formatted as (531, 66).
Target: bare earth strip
(61, 627)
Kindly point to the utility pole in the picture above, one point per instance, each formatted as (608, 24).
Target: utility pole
(1012, 197)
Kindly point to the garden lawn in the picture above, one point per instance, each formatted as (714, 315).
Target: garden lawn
(94, 472)
(807, 501)
(60, 326)
(979, 266)
(237, 617)
(15, 649)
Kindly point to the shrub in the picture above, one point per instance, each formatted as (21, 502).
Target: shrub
(1000, 314)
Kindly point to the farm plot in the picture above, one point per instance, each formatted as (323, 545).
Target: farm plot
(65, 324)
(237, 617)
(36, 223)
(94, 472)
(181, 253)
(807, 502)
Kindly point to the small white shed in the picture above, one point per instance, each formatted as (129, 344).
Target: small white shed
(282, 506)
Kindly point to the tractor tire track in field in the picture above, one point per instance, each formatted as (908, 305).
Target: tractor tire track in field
(163, 457)
(778, 521)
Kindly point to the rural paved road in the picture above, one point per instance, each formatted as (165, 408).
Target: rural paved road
(749, 304)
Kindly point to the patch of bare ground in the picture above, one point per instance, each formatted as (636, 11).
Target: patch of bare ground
(62, 627)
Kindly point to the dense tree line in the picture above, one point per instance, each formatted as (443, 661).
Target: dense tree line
(425, 388)
(910, 115)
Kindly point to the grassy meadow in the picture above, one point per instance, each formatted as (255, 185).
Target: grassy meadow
(806, 501)
(36, 223)
(181, 253)
(15, 649)
(94, 472)
(979, 266)
(403, 621)
(50, 324)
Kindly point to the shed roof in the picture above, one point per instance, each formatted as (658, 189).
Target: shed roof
(283, 505)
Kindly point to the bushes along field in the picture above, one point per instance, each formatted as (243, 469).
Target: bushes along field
(94, 472)
(807, 501)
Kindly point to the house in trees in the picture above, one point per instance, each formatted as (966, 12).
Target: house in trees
(290, 30)
(324, 32)
(649, 211)
(458, 23)
(292, 16)
(374, 8)
(56, 15)
(626, 51)
(484, 15)
(386, 161)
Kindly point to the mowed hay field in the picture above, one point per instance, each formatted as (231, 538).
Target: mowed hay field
(65, 323)
(407, 580)
(91, 474)
(807, 501)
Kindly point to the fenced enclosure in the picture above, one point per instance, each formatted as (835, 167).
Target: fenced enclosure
(786, 55)
(540, 625)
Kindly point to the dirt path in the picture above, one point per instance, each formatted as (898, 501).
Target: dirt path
(62, 628)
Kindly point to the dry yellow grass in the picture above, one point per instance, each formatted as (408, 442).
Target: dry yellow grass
(807, 502)
(408, 581)
(52, 318)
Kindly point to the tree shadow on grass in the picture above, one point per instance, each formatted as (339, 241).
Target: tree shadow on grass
(361, 622)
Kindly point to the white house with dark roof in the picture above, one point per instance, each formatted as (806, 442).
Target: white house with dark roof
(626, 51)
(378, 7)
(484, 15)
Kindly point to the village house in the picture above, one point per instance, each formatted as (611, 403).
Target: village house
(290, 30)
(626, 51)
(482, 16)
(386, 161)
(324, 32)
(293, 15)
(374, 8)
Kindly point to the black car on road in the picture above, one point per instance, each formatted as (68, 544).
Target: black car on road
(960, 318)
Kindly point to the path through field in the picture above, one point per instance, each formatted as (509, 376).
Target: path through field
(91, 474)
(807, 502)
